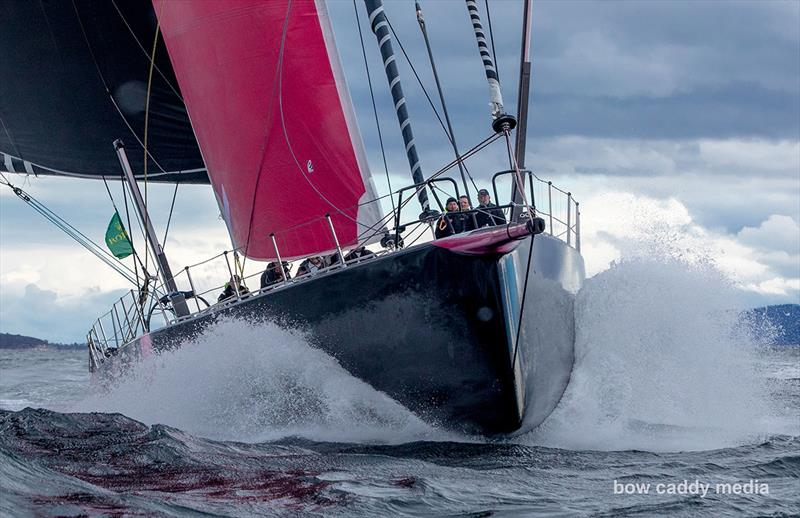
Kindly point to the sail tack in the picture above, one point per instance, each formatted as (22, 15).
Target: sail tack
(273, 118)
(77, 79)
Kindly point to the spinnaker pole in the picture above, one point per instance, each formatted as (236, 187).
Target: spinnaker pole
(175, 296)
(380, 26)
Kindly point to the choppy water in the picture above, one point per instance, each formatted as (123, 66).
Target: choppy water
(251, 420)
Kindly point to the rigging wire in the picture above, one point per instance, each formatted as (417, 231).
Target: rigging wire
(105, 86)
(522, 304)
(147, 120)
(11, 140)
(116, 211)
(374, 106)
(144, 51)
(128, 219)
(418, 237)
(72, 232)
(427, 96)
(478, 147)
(416, 75)
(169, 218)
(139, 223)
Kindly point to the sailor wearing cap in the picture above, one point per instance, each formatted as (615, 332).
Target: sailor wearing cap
(488, 214)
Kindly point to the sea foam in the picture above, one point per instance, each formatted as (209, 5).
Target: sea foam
(663, 359)
(257, 382)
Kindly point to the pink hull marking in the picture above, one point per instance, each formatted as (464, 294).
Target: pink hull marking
(489, 240)
(146, 346)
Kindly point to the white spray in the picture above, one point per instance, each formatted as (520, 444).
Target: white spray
(257, 382)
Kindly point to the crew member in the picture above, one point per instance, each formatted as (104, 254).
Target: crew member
(488, 214)
(454, 221)
(358, 254)
(311, 266)
(230, 289)
(274, 274)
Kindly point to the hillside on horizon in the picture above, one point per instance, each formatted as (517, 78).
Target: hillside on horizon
(785, 318)
(12, 341)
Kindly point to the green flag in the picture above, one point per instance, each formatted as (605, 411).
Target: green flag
(117, 238)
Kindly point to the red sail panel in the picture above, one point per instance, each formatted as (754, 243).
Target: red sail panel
(269, 106)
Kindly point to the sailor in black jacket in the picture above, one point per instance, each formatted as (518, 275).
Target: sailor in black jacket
(274, 274)
(454, 221)
(488, 214)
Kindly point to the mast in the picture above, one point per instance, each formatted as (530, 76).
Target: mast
(452, 135)
(522, 103)
(177, 298)
(380, 26)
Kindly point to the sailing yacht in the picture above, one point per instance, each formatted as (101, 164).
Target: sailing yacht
(473, 332)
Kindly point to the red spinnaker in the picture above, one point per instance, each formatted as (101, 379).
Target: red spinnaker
(270, 108)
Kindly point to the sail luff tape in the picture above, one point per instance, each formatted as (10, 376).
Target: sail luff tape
(495, 96)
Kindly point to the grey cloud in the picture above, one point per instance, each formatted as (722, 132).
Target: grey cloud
(783, 264)
(779, 233)
(753, 299)
(624, 69)
(85, 205)
(731, 110)
(43, 314)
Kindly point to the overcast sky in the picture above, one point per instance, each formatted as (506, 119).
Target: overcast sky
(675, 124)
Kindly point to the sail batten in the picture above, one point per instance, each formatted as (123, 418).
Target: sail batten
(273, 119)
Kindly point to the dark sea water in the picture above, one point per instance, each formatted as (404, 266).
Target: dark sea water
(673, 408)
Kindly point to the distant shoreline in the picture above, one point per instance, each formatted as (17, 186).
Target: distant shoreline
(12, 341)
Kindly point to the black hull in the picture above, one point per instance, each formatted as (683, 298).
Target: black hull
(431, 328)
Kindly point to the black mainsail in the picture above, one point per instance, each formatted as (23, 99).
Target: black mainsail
(75, 79)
